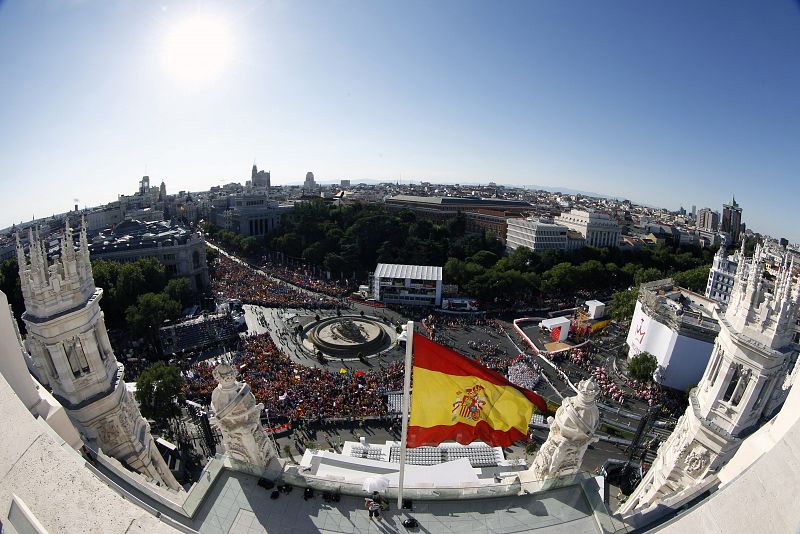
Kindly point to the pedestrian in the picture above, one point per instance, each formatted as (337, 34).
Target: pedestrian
(373, 507)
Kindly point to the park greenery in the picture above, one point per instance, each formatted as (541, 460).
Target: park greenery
(139, 297)
(354, 238)
(159, 392)
(246, 246)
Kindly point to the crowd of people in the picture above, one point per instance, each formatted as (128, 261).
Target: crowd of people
(524, 374)
(302, 278)
(295, 392)
(233, 280)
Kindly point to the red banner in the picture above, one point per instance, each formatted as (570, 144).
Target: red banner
(278, 428)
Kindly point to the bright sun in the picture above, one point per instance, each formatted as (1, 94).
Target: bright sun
(198, 48)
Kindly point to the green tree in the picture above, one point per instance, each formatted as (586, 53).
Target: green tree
(290, 244)
(484, 258)
(562, 277)
(623, 304)
(180, 290)
(211, 255)
(314, 253)
(695, 279)
(650, 274)
(642, 366)
(248, 246)
(150, 311)
(159, 392)
(154, 274)
(130, 284)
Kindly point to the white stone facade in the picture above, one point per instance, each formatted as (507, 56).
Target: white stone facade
(722, 274)
(238, 417)
(69, 345)
(536, 235)
(571, 431)
(753, 358)
(599, 229)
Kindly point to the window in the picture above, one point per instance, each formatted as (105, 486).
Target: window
(99, 347)
(48, 358)
(737, 373)
(76, 357)
(715, 368)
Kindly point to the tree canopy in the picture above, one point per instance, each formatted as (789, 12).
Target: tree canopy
(623, 304)
(642, 366)
(159, 392)
(149, 313)
(355, 237)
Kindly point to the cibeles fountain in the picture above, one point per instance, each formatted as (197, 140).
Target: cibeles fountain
(349, 336)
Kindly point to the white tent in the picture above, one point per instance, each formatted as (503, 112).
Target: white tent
(555, 322)
(596, 308)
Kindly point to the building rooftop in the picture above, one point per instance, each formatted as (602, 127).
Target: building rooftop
(238, 505)
(136, 234)
(415, 272)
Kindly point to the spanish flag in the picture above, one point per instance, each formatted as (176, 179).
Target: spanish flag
(457, 399)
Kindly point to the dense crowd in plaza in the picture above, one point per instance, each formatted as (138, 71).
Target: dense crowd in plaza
(295, 392)
(233, 280)
(300, 277)
(525, 374)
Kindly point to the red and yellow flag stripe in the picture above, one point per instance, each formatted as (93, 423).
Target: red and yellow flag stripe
(455, 398)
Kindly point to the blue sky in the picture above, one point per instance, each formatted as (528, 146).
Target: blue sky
(665, 103)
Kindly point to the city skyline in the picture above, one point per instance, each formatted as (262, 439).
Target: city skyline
(667, 106)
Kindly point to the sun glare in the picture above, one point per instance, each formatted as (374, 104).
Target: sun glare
(197, 49)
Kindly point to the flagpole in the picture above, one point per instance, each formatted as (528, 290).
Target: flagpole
(406, 402)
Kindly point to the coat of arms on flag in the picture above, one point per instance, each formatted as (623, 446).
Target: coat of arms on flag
(456, 398)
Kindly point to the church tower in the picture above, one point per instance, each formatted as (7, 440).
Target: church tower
(70, 348)
(745, 380)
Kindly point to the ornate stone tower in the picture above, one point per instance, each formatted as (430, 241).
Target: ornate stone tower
(742, 383)
(70, 348)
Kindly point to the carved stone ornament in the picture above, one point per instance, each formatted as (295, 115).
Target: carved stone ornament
(696, 460)
(109, 435)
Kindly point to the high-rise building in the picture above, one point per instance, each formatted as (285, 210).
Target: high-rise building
(731, 223)
(259, 178)
(745, 380)
(707, 220)
(309, 183)
(71, 351)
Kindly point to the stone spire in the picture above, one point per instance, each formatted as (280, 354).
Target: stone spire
(747, 377)
(762, 309)
(50, 288)
(70, 348)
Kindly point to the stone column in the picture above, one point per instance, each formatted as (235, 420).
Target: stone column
(238, 417)
(571, 432)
